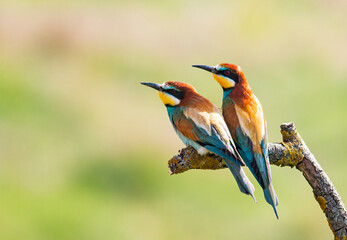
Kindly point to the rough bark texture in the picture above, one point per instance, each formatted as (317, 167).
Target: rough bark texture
(291, 152)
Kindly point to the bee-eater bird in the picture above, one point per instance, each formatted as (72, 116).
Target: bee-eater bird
(200, 124)
(245, 119)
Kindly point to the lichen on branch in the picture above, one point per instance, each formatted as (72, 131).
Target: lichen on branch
(292, 152)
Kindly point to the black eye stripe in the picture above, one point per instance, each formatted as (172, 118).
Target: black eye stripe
(230, 74)
(172, 91)
(175, 93)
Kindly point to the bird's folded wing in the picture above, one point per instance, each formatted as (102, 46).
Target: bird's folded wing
(252, 143)
(205, 129)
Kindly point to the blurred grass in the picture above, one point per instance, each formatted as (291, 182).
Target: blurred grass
(84, 147)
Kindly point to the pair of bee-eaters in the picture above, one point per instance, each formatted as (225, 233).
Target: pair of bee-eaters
(239, 135)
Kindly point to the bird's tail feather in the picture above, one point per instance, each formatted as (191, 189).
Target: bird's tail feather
(241, 178)
(271, 197)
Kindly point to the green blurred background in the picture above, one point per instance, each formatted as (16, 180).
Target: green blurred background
(84, 147)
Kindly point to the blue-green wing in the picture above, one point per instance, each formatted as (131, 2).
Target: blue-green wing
(211, 141)
(256, 161)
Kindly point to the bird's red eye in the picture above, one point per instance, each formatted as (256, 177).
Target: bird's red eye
(226, 72)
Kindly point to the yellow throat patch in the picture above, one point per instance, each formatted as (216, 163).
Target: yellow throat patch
(168, 99)
(223, 81)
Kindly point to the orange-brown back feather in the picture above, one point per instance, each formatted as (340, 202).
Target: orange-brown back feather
(245, 101)
(185, 126)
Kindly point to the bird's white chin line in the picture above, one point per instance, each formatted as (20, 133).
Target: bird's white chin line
(168, 99)
(230, 81)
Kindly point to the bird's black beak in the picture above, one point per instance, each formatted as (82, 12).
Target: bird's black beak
(207, 68)
(152, 85)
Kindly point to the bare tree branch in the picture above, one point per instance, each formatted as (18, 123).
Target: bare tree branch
(291, 152)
